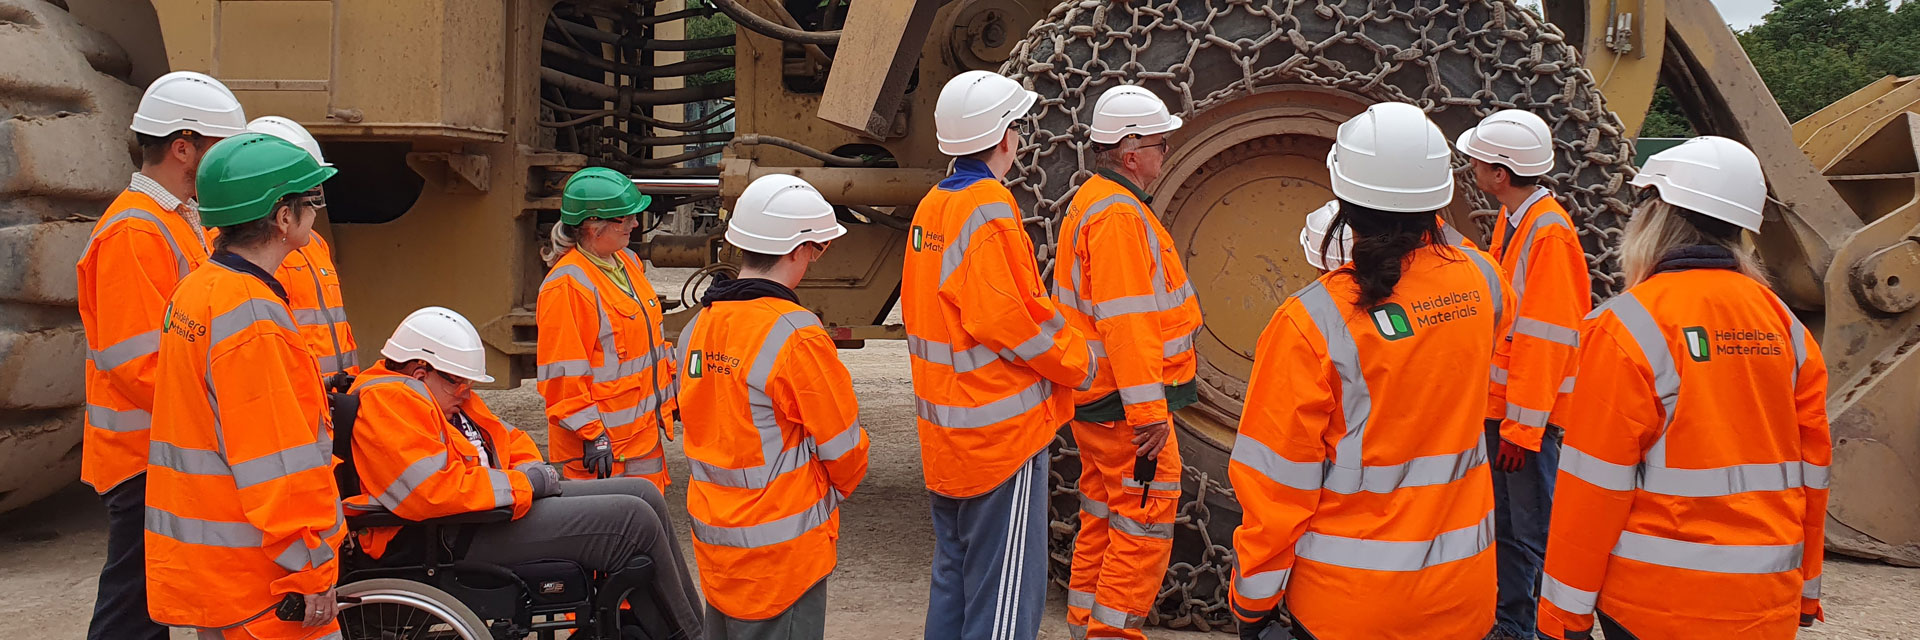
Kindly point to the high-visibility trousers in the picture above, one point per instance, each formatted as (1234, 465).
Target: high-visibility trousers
(1120, 556)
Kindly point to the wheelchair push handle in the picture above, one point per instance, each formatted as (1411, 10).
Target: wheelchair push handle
(293, 607)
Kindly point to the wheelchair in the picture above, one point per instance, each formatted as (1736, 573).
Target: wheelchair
(422, 588)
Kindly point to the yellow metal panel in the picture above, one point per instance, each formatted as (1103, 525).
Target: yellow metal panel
(187, 29)
(1804, 129)
(275, 40)
(1627, 78)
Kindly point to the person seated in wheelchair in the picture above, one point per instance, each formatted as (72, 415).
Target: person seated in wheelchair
(425, 446)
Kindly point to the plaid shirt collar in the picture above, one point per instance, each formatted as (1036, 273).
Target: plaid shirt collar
(146, 185)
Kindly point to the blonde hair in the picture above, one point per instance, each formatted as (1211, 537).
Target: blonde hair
(1658, 228)
(561, 239)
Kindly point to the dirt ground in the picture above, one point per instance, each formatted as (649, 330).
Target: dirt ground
(51, 552)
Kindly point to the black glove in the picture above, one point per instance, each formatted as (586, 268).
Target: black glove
(545, 481)
(598, 458)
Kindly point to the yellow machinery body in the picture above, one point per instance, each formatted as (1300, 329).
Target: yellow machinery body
(454, 122)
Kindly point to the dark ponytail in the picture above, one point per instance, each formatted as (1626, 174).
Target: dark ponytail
(1382, 240)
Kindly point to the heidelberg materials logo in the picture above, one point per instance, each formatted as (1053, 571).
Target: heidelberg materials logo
(1391, 320)
(696, 364)
(1698, 347)
(919, 237)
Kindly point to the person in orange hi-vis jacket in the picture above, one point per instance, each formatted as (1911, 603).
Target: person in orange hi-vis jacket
(1121, 283)
(146, 242)
(604, 363)
(312, 282)
(1692, 495)
(774, 437)
(994, 369)
(1536, 243)
(1361, 468)
(242, 509)
(424, 446)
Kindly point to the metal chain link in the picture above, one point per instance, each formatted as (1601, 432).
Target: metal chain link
(1459, 61)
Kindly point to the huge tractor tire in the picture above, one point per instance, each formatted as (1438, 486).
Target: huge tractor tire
(1263, 85)
(63, 156)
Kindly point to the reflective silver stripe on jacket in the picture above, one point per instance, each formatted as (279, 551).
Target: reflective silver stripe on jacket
(300, 557)
(211, 533)
(263, 469)
(1576, 601)
(770, 533)
(980, 355)
(777, 458)
(1547, 331)
(1714, 558)
(125, 351)
(118, 420)
(1548, 219)
(1259, 586)
(635, 467)
(1397, 555)
(989, 414)
(181, 265)
(237, 319)
(956, 251)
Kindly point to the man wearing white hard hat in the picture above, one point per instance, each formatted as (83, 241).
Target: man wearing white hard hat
(773, 430)
(994, 370)
(425, 446)
(148, 239)
(1121, 283)
(312, 281)
(1326, 255)
(1536, 244)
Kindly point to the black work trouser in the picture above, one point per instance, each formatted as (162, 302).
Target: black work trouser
(120, 608)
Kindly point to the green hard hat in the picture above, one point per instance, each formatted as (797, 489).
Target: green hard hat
(599, 192)
(243, 176)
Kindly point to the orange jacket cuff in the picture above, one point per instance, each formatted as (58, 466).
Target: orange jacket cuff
(1527, 437)
(1811, 607)
(1557, 623)
(1146, 413)
(311, 581)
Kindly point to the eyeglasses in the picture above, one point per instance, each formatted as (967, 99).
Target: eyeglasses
(1162, 145)
(315, 200)
(1022, 127)
(455, 382)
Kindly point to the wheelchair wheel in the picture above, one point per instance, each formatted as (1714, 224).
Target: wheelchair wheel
(396, 609)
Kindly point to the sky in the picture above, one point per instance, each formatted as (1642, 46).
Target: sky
(1738, 13)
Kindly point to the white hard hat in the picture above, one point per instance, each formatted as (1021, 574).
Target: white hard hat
(1392, 158)
(189, 101)
(1712, 176)
(975, 109)
(777, 213)
(1515, 139)
(289, 131)
(442, 338)
(1315, 231)
(1129, 110)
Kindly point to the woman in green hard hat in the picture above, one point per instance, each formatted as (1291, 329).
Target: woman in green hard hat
(242, 509)
(604, 364)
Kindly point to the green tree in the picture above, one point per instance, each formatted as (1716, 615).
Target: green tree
(1813, 52)
(711, 26)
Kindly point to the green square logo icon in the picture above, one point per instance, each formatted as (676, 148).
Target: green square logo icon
(1698, 347)
(917, 237)
(696, 364)
(1391, 320)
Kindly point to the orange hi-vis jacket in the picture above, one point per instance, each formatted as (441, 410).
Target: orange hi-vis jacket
(1692, 495)
(242, 508)
(313, 292)
(994, 363)
(1361, 466)
(1121, 284)
(415, 463)
(605, 366)
(136, 255)
(1550, 279)
(775, 443)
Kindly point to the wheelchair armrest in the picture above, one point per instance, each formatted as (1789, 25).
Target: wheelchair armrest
(383, 518)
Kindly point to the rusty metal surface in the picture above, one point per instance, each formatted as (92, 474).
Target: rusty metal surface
(64, 108)
(1263, 85)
